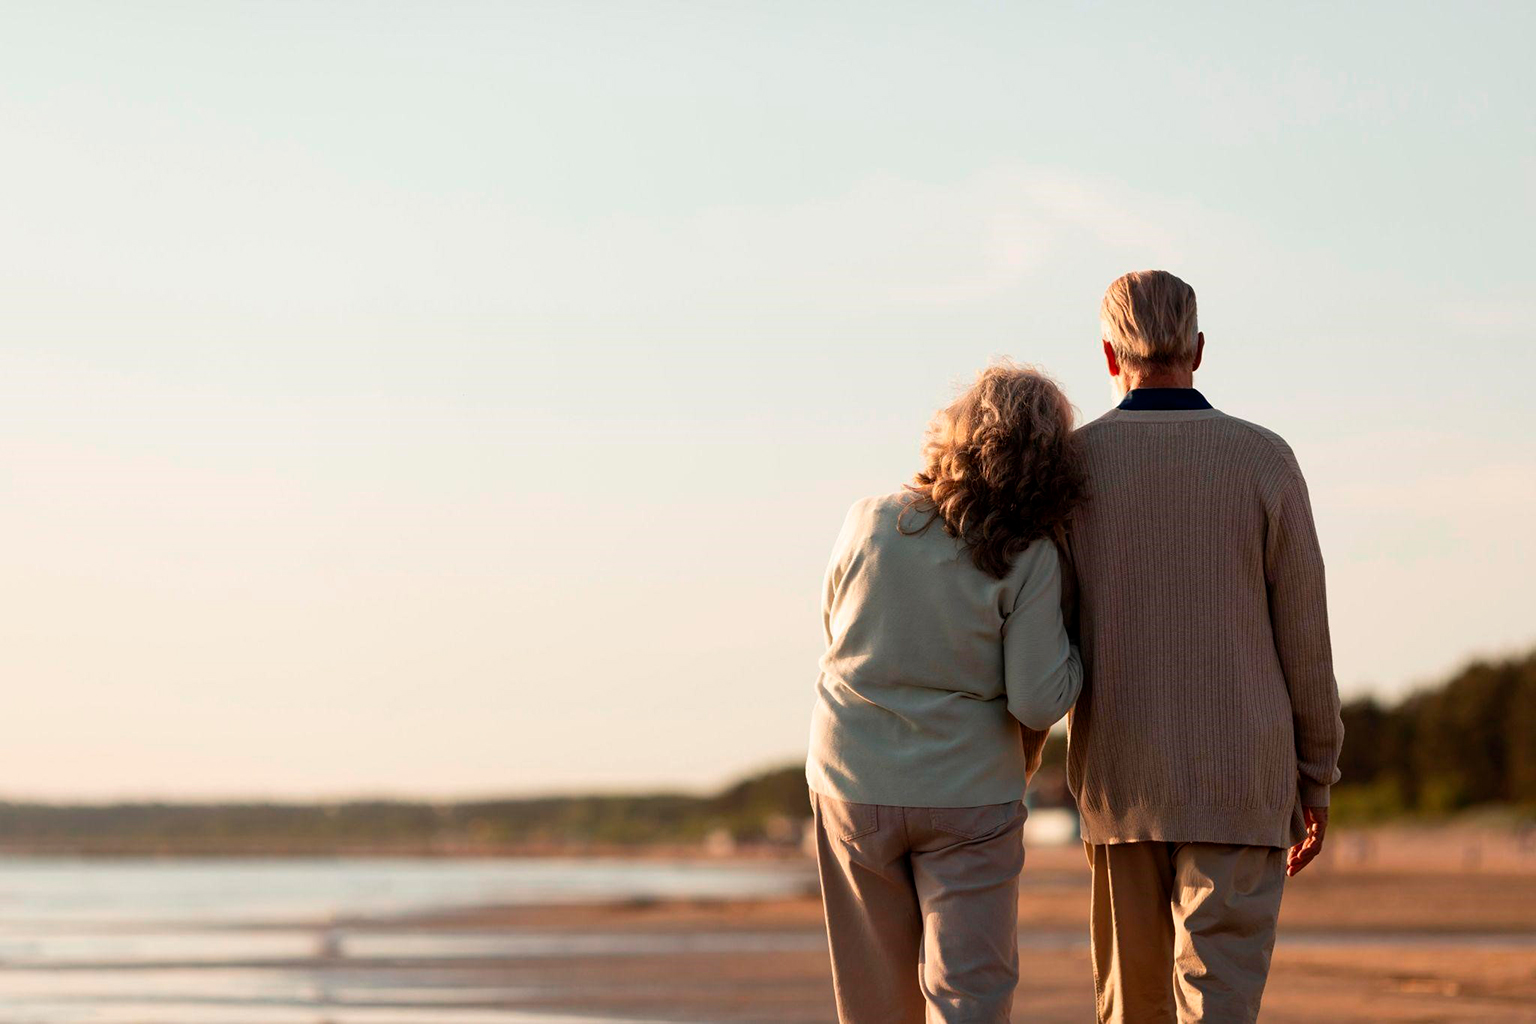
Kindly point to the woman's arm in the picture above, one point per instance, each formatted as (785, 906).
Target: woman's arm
(1042, 670)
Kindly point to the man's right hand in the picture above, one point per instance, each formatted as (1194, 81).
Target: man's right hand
(1304, 852)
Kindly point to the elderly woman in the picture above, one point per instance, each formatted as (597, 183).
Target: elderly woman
(946, 659)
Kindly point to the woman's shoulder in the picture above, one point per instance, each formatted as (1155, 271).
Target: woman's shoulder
(880, 506)
(882, 520)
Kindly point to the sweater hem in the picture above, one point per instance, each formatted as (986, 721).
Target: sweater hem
(1187, 823)
(825, 784)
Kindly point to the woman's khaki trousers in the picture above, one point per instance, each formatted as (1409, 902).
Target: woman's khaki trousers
(922, 910)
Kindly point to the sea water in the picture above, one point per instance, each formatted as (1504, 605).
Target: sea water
(233, 941)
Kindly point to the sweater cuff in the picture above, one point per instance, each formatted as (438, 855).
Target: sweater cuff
(1313, 795)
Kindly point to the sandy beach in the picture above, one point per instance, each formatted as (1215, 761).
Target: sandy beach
(1393, 926)
(1427, 925)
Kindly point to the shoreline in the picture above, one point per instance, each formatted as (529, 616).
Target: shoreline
(1354, 946)
(1452, 845)
(1404, 934)
(651, 852)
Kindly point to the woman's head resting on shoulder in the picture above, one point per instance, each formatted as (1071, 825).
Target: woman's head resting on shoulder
(1001, 466)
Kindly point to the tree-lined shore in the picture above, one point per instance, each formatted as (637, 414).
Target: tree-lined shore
(1467, 743)
(765, 808)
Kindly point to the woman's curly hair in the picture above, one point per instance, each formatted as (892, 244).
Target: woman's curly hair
(1003, 467)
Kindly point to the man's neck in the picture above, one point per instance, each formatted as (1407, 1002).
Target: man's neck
(1158, 379)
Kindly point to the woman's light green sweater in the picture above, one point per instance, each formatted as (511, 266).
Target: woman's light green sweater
(937, 676)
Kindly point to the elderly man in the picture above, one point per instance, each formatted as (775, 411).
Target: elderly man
(1208, 732)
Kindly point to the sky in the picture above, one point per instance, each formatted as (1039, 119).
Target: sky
(450, 399)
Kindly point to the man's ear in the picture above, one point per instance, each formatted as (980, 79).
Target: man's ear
(1112, 362)
(1199, 351)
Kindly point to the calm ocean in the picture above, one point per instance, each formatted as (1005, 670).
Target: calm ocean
(226, 941)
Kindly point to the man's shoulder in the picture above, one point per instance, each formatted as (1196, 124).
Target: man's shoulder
(1099, 431)
(1263, 439)
(1258, 442)
(1095, 426)
(1240, 426)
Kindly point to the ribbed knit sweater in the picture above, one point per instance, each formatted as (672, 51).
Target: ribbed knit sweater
(1209, 711)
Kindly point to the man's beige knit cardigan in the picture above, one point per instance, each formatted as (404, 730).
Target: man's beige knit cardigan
(1209, 711)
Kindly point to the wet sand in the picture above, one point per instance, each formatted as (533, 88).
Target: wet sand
(1402, 928)
(1390, 926)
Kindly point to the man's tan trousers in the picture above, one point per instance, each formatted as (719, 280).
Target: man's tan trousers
(1183, 931)
(922, 909)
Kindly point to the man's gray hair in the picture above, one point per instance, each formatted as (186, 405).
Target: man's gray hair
(1148, 317)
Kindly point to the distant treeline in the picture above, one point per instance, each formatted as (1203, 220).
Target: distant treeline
(765, 807)
(1469, 742)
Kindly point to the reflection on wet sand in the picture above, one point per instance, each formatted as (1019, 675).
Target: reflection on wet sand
(480, 943)
(139, 942)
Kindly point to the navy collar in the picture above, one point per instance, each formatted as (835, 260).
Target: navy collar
(1144, 399)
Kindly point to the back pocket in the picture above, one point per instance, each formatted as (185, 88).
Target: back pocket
(845, 820)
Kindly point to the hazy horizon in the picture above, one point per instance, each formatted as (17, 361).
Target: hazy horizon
(441, 399)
